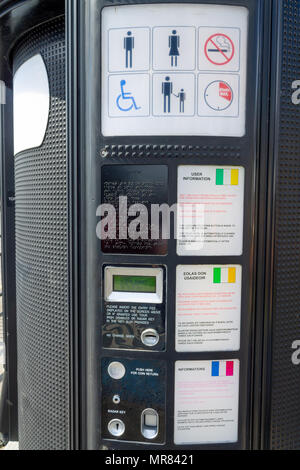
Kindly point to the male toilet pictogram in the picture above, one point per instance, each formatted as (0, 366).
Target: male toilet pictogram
(129, 46)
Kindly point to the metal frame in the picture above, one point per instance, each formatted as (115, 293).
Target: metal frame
(85, 19)
(86, 148)
(9, 426)
(265, 245)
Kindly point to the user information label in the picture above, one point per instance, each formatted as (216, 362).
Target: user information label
(210, 213)
(165, 62)
(208, 308)
(206, 402)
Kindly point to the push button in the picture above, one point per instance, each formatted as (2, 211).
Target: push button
(116, 427)
(116, 370)
(150, 423)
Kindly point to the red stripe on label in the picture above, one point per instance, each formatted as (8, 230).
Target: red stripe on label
(229, 368)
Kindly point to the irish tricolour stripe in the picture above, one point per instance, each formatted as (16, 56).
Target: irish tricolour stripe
(224, 275)
(227, 177)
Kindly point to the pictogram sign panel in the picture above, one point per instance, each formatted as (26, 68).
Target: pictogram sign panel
(165, 62)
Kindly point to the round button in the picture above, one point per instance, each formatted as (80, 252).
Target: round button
(150, 338)
(116, 370)
(116, 427)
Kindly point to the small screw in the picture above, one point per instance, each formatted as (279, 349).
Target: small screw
(104, 153)
(116, 400)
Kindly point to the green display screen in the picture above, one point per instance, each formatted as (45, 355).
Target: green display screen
(144, 284)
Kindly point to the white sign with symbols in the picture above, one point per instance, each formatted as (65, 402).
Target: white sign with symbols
(208, 308)
(210, 215)
(162, 62)
(206, 402)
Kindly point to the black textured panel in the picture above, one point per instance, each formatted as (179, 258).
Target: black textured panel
(285, 411)
(42, 260)
(171, 151)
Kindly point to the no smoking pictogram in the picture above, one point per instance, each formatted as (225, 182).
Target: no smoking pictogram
(219, 49)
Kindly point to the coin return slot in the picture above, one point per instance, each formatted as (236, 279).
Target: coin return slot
(150, 338)
(150, 424)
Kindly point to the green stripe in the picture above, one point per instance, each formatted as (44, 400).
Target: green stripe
(220, 177)
(217, 275)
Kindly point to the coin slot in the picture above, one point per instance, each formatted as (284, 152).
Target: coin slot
(150, 338)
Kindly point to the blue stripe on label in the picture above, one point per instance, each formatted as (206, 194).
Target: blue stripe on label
(215, 369)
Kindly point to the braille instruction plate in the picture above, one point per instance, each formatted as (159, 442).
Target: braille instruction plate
(165, 62)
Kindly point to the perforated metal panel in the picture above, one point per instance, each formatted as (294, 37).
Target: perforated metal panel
(42, 260)
(285, 385)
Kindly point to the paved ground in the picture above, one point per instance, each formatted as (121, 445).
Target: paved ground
(12, 446)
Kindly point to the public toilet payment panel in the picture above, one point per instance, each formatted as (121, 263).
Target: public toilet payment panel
(176, 166)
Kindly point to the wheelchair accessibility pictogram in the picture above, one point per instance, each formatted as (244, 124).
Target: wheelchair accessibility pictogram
(125, 101)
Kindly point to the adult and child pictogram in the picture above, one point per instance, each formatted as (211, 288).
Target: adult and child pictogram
(167, 91)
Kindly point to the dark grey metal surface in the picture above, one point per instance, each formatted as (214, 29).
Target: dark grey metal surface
(9, 418)
(282, 404)
(42, 260)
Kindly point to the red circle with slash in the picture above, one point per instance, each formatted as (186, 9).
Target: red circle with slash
(211, 43)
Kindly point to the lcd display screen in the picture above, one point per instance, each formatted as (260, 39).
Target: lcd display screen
(142, 284)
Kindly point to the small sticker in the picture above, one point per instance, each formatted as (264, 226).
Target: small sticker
(206, 402)
(210, 211)
(218, 97)
(208, 308)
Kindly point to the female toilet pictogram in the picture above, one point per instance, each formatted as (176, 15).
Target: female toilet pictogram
(174, 45)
